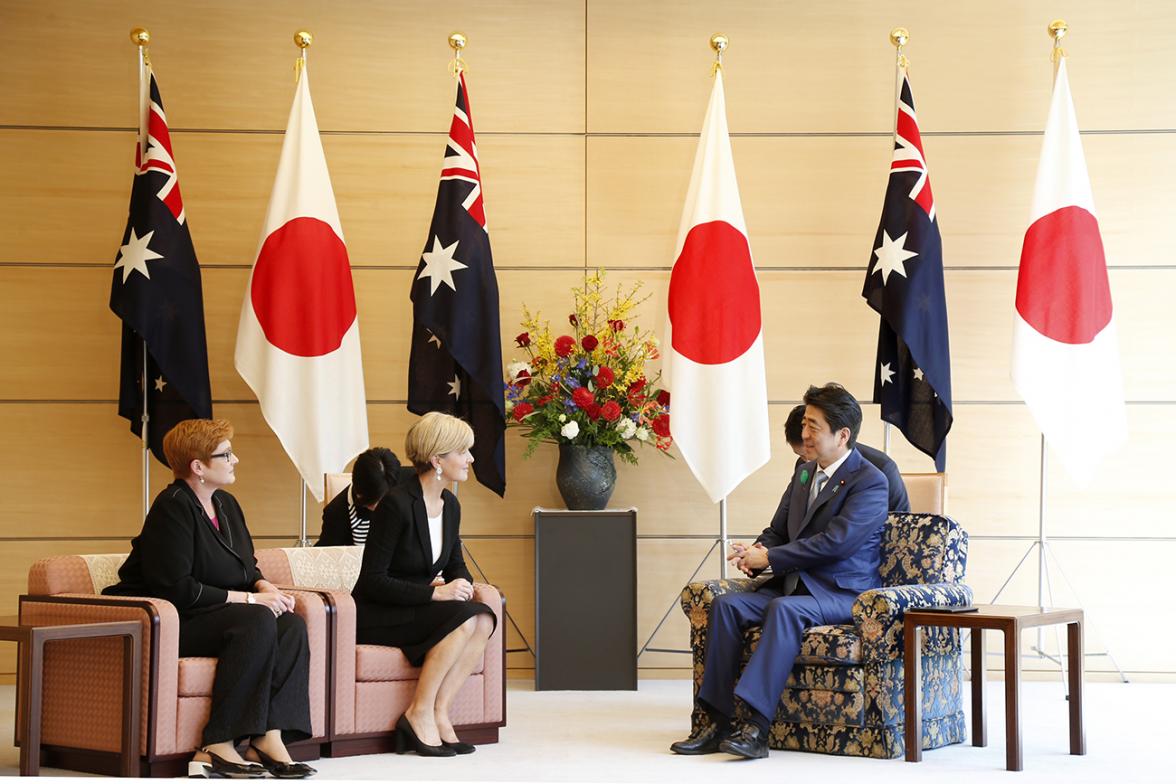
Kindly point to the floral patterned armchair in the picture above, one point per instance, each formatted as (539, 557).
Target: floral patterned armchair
(845, 693)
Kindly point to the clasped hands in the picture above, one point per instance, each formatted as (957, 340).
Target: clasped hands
(267, 594)
(459, 590)
(748, 559)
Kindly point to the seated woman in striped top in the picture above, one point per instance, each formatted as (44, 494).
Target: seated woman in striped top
(346, 517)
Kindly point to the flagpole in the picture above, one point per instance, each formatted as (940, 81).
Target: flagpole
(303, 40)
(141, 38)
(719, 43)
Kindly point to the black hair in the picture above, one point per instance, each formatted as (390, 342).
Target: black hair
(839, 407)
(794, 426)
(373, 475)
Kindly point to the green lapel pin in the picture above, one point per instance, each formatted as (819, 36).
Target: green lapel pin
(804, 476)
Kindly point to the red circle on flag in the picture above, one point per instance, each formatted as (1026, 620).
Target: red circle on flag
(1062, 286)
(301, 290)
(714, 298)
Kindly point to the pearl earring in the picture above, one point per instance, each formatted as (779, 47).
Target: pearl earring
(201, 480)
(438, 473)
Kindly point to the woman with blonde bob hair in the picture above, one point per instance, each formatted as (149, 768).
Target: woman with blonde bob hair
(195, 552)
(414, 539)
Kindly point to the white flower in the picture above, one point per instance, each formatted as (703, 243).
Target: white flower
(514, 368)
(563, 417)
(626, 427)
(509, 406)
(643, 434)
(570, 430)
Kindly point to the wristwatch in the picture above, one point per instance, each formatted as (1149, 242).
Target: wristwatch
(249, 598)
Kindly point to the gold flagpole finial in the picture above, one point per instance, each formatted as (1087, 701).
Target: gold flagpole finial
(140, 37)
(1057, 31)
(457, 42)
(719, 43)
(302, 39)
(899, 37)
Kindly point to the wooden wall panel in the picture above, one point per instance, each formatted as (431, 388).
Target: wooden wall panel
(815, 201)
(385, 186)
(795, 67)
(223, 64)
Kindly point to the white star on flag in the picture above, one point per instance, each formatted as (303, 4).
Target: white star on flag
(918, 374)
(433, 338)
(133, 256)
(886, 374)
(455, 387)
(440, 265)
(160, 384)
(891, 256)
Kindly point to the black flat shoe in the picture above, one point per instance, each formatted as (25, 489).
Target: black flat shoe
(749, 742)
(221, 768)
(407, 740)
(282, 770)
(705, 741)
(459, 747)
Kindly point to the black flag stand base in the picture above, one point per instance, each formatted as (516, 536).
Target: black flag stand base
(1045, 588)
(721, 543)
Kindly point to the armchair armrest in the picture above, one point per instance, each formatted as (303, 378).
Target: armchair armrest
(85, 672)
(494, 657)
(878, 615)
(697, 596)
(312, 609)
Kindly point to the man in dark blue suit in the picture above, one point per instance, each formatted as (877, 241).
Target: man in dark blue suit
(897, 494)
(823, 547)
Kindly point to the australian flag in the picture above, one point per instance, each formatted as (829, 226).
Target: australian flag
(455, 364)
(904, 284)
(156, 292)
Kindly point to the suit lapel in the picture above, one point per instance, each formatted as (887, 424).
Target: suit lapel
(832, 486)
(420, 520)
(796, 512)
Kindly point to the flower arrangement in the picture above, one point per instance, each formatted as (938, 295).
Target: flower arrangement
(590, 387)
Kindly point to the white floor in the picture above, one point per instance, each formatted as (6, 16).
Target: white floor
(624, 737)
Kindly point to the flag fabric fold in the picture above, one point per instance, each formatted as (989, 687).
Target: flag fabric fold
(455, 364)
(904, 285)
(713, 352)
(156, 290)
(1065, 345)
(298, 338)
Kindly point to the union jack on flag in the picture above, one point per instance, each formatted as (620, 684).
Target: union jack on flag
(904, 284)
(455, 363)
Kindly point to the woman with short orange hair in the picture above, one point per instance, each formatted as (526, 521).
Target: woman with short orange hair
(195, 552)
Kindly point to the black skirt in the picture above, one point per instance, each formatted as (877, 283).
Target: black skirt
(431, 623)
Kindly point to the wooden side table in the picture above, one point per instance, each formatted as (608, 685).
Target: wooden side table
(31, 654)
(1010, 620)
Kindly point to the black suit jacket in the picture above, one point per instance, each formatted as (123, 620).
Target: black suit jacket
(180, 557)
(398, 568)
(337, 525)
(897, 500)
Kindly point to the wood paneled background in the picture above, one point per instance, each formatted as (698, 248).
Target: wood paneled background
(587, 113)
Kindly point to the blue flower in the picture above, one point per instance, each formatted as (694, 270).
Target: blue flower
(573, 383)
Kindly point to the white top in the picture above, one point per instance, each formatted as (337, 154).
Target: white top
(435, 536)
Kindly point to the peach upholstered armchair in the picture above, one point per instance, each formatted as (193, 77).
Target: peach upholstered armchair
(82, 694)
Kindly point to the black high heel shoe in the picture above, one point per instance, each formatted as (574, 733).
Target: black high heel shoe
(460, 747)
(282, 770)
(406, 740)
(219, 767)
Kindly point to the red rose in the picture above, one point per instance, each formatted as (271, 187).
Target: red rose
(637, 385)
(661, 425)
(573, 320)
(523, 378)
(593, 411)
(589, 342)
(611, 411)
(605, 377)
(523, 340)
(544, 400)
(521, 410)
(564, 345)
(663, 398)
(635, 399)
(583, 398)
(617, 325)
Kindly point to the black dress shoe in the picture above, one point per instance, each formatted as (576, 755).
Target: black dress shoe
(705, 741)
(748, 741)
(281, 770)
(407, 740)
(460, 747)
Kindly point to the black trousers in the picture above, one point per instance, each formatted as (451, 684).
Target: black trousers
(262, 671)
